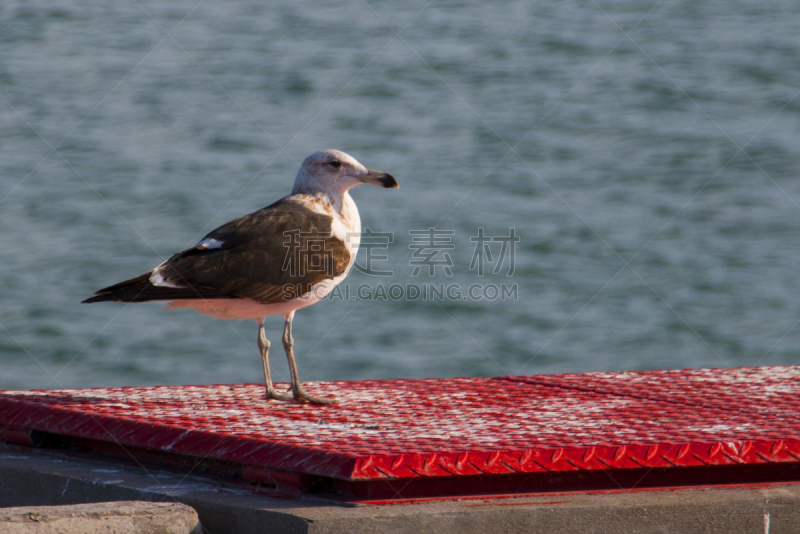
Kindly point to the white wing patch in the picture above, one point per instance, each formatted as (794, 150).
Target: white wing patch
(158, 280)
(209, 243)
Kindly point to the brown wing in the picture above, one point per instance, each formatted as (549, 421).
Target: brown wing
(272, 255)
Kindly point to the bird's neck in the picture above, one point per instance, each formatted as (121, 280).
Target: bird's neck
(339, 201)
(349, 214)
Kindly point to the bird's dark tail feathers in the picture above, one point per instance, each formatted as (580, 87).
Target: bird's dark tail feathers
(133, 290)
(140, 289)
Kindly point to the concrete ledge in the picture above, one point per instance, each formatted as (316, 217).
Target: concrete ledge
(101, 518)
(29, 477)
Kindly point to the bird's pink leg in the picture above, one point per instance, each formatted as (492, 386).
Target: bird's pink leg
(263, 346)
(297, 388)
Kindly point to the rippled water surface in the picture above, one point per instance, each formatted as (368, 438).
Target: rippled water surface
(646, 153)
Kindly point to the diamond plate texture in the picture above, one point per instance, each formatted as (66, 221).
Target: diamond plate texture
(403, 429)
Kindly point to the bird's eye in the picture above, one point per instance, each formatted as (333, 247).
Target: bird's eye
(335, 164)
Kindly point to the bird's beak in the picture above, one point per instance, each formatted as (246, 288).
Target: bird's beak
(382, 179)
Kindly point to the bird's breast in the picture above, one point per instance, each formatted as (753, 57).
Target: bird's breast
(345, 221)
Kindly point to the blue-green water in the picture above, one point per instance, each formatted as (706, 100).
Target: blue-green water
(645, 152)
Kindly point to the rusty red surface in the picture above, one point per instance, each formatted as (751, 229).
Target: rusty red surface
(405, 430)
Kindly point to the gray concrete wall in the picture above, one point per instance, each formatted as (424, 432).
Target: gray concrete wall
(30, 477)
(101, 518)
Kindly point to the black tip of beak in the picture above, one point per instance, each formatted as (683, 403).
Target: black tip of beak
(388, 182)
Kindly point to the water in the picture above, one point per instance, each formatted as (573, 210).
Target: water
(651, 177)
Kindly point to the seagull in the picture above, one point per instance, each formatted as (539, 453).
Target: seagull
(276, 260)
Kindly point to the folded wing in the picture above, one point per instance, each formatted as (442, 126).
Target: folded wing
(274, 254)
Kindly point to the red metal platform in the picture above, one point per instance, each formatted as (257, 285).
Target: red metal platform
(399, 439)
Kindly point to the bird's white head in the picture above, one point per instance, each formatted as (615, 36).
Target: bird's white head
(334, 172)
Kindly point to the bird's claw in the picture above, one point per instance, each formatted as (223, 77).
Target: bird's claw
(302, 396)
(298, 396)
(272, 394)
